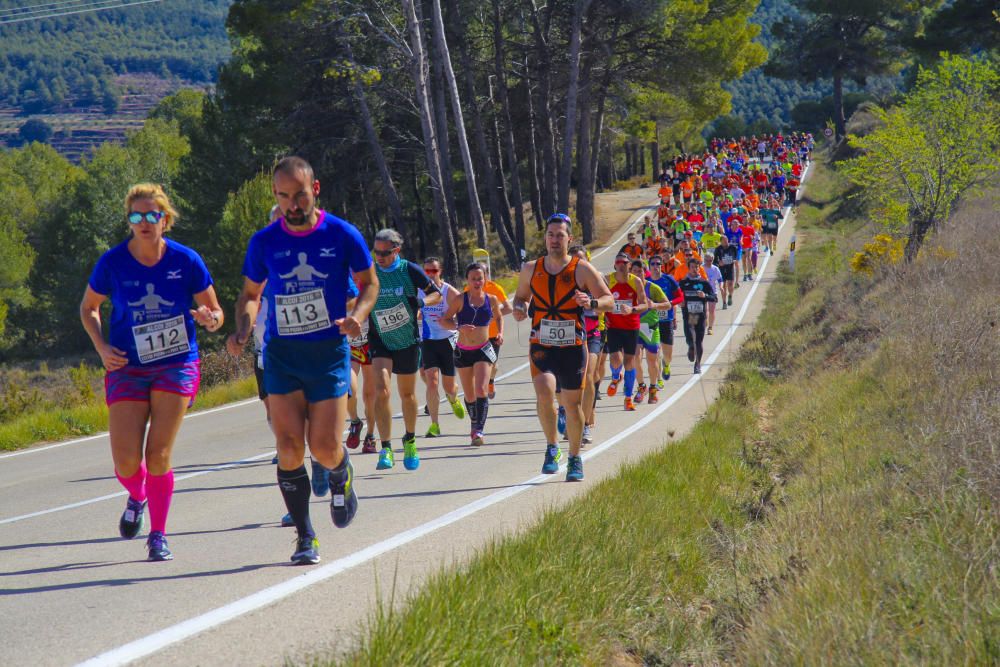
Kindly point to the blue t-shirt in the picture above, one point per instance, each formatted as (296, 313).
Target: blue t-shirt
(669, 287)
(150, 318)
(308, 276)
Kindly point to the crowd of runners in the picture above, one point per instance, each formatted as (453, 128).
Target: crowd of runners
(333, 320)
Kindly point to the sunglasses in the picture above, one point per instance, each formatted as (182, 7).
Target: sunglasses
(432, 272)
(152, 217)
(384, 253)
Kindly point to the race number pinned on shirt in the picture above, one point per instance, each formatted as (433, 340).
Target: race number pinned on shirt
(390, 319)
(664, 315)
(301, 313)
(621, 305)
(557, 333)
(361, 339)
(165, 338)
(696, 307)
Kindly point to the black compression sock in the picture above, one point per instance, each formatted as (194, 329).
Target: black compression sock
(482, 409)
(294, 485)
(340, 472)
(470, 407)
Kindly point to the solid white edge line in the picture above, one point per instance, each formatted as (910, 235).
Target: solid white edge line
(193, 626)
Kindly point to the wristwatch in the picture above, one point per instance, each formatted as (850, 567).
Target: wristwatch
(593, 304)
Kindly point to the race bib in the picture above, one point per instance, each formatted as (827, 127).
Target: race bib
(665, 314)
(298, 314)
(362, 338)
(390, 319)
(696, 307)
(490, 352)
(156, 340)
(557, 333)
(725, 260)
(622, 304)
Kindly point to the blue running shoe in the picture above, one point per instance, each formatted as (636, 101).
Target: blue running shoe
(574, 469)
(157, 546)
(306, 551)
(411, 459)
(561, 420)
(553, 455)
(287, 521)
(344, 503)
(320, 479)
(131, 522)
(385, 459)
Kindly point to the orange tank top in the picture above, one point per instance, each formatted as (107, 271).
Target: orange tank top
(556, 318)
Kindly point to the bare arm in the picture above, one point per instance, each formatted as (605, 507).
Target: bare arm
(209, 313)
(90, 317)
(367, 282)
(522, 296)
(448, 320)
(595, 283)
(247, 306)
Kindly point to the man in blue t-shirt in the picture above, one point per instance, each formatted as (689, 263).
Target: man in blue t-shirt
(307, 258)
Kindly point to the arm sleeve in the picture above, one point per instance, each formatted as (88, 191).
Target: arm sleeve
(678, 295)
(420, 279)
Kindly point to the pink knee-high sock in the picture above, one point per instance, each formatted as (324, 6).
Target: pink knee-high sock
(160, 489)
(136, 484)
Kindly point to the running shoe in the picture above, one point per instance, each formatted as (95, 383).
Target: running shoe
(574, 469)
(710, 331)
(613, 387)
(157, 546)
(659, 383)
(287, 521)
(306, 551)
(724, 304)
(553, 455)
(640, 395)
(411, 459)
(434, 431)
(457, 408)
(690, 353)
(369, 445)
(561, 420)
(629, 405)
(588, 435)
(344, 503)
(320, 479)
(131, 522)
(354, 434)
(653, 398)
(736, 285)
(730, 299)
(274, 461)
(427, 409)
(697, 369)
(385, 459)
(665, 371)
(597, 395)
(477, 439)
(491, 391)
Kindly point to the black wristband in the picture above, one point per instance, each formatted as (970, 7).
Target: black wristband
(593, 304)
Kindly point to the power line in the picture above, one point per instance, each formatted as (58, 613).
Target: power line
(69, 9)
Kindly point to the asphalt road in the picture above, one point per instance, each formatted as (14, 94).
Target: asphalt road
(72, 591)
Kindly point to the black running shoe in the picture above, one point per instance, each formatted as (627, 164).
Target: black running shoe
(690, 354)
(157, 546)
(306, 551)
(344, 503)
(131, 522)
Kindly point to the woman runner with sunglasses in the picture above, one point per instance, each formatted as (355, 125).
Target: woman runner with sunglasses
(151, 357)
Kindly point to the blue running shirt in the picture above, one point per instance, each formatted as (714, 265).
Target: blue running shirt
(308, 275)
(150, 318)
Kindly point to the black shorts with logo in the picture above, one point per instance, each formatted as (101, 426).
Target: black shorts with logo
(467, 358)
(438, 353)
(622, 340)
(568, 364)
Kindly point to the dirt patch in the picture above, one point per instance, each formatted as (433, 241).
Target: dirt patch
(613, 209)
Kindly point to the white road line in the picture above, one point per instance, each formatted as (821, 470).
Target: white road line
(179, 478)
(193, 626)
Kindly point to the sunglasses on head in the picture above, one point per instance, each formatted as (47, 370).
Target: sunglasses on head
(152, 217)
(384, 253)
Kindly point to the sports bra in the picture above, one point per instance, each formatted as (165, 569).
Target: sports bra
(477, 316)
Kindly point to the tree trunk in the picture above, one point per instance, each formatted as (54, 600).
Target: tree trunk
(441, 126)
(418, 65)
(503, 227)
(919, 226)
(533, 187)
(511, 148)
(548, 150)
(839, 122)
(641, 147)
(391, 196)
(654, 149)
(584, 170)
(421, 222)
(441, 44)
(572, 91)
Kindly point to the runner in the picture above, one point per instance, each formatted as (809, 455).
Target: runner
(725, 257)
(594, 326)
(438, 351)
(495, 289)
(623, 326)
(632, 249)
(649, 333)
(307, 257)
(259, 327)
(771, 214)
(697, 291)
(666, 320)
(747, 235)
(715, 278)
(558, 288)
(394, 341)
(470, 313)
(151, 357)
(361, 371)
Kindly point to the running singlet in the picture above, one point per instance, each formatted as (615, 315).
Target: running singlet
(694, 304)
(556, 318)
(431, 328)
(150, 304)
(669, 287)
(625, 293)
(656, 295)
(394, 317)
(308, 275)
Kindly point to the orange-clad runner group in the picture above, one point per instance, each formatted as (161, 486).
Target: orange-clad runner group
(333, 319)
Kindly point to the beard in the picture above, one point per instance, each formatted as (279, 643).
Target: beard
(298, 218)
